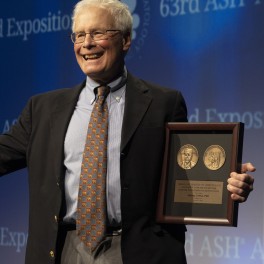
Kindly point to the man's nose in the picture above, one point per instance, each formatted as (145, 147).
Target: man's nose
(88, 41)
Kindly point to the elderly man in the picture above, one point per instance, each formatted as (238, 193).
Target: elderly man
(93, 192)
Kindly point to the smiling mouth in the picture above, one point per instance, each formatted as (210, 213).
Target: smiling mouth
(91, 56)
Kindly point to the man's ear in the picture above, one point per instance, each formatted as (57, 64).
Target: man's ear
(126, 41)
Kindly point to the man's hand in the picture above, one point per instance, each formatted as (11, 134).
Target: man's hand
(241, 184)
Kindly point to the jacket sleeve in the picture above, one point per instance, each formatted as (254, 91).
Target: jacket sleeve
(14, 143)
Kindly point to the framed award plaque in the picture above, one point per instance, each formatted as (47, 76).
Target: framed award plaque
(198, 160)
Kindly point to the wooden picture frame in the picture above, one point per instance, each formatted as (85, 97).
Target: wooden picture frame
(198, 160)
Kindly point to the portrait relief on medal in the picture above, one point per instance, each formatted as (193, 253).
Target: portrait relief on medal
(214, 157)
(187, 156)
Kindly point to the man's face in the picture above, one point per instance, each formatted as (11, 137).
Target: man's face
(101, 60)
(187, 155)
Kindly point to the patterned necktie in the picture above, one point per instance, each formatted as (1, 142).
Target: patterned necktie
(91, 209)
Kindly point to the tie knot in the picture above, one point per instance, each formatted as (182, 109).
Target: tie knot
(103, 91)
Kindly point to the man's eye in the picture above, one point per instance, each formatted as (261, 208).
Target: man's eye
(98, 33)
(80, 35)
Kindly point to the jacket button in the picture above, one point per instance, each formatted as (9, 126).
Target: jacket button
(52, 255)
(56, 218)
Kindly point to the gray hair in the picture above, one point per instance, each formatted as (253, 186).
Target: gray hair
(122, 17)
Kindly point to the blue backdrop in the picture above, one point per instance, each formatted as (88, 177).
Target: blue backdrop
(211, 50)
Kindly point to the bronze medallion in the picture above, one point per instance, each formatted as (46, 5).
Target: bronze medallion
(214, 157)
(187, 156)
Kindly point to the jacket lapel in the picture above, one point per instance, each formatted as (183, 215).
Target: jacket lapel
(137, 102)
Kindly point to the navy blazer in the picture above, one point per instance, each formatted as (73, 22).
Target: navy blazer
(37, 142)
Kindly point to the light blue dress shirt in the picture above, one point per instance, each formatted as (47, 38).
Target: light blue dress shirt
(75, 141)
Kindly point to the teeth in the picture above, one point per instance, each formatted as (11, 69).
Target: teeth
(89, 57)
